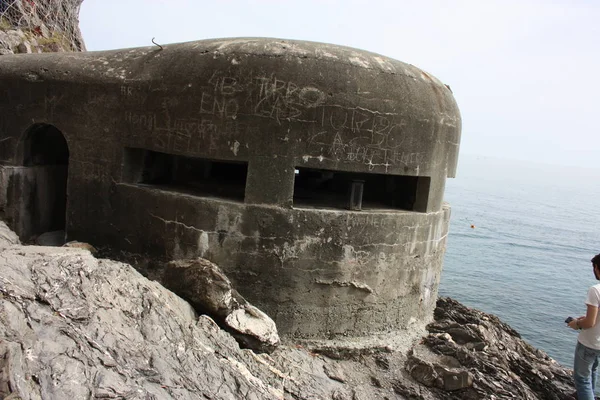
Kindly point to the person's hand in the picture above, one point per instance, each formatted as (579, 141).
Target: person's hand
(573, 324)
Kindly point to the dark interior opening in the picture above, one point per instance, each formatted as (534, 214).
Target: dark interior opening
(45, 145)
(197, 176)
(43, 189)
(338, 189)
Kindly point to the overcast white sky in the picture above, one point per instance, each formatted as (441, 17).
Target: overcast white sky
(524, 73)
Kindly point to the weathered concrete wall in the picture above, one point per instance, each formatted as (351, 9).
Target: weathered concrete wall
(316, 273)
(278, 106)
(32, 199)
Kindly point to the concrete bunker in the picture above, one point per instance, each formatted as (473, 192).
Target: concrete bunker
(312, 174)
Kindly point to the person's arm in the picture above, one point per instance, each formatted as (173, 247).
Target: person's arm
(590, 317)
(585, 322)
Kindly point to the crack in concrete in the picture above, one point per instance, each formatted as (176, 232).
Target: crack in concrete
(167, 222)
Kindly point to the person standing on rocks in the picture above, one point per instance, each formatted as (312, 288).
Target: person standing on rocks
(587, 352)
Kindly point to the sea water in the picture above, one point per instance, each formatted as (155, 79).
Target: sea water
(520, 243)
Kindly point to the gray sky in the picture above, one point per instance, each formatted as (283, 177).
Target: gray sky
(524, 73)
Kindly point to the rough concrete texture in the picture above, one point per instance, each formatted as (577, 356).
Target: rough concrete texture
(247, 152)
(33, 199)
(75, 327)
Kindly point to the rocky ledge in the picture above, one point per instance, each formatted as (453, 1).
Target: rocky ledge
(76, 327)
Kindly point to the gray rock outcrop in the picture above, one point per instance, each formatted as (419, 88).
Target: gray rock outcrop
(40, 27)
(472, 355)
(76, 327)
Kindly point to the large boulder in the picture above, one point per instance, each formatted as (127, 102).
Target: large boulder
(206, 287)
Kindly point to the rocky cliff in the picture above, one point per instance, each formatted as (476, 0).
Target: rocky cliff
(76, 327)
(28, 26)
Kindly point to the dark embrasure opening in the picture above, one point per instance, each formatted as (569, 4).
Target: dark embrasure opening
(355, 191)
(196, 176)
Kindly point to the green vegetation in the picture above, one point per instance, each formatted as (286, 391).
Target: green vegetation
(58, 41)
(5, 24)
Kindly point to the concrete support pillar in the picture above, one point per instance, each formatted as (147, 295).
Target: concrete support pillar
(430, 193)
(356, 195)
(270, 180)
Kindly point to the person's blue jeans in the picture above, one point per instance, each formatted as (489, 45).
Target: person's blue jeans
(584, 371)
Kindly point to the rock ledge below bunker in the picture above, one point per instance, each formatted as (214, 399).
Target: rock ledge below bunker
(73, 326)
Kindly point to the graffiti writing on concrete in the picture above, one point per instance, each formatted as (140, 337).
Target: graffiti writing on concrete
(126, 91)
(50, 104)
(362, 136)
(144, 120)
(376, 221)
(224, 109)
(285, 100)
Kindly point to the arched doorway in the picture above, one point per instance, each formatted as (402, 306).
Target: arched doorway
(41, 186)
